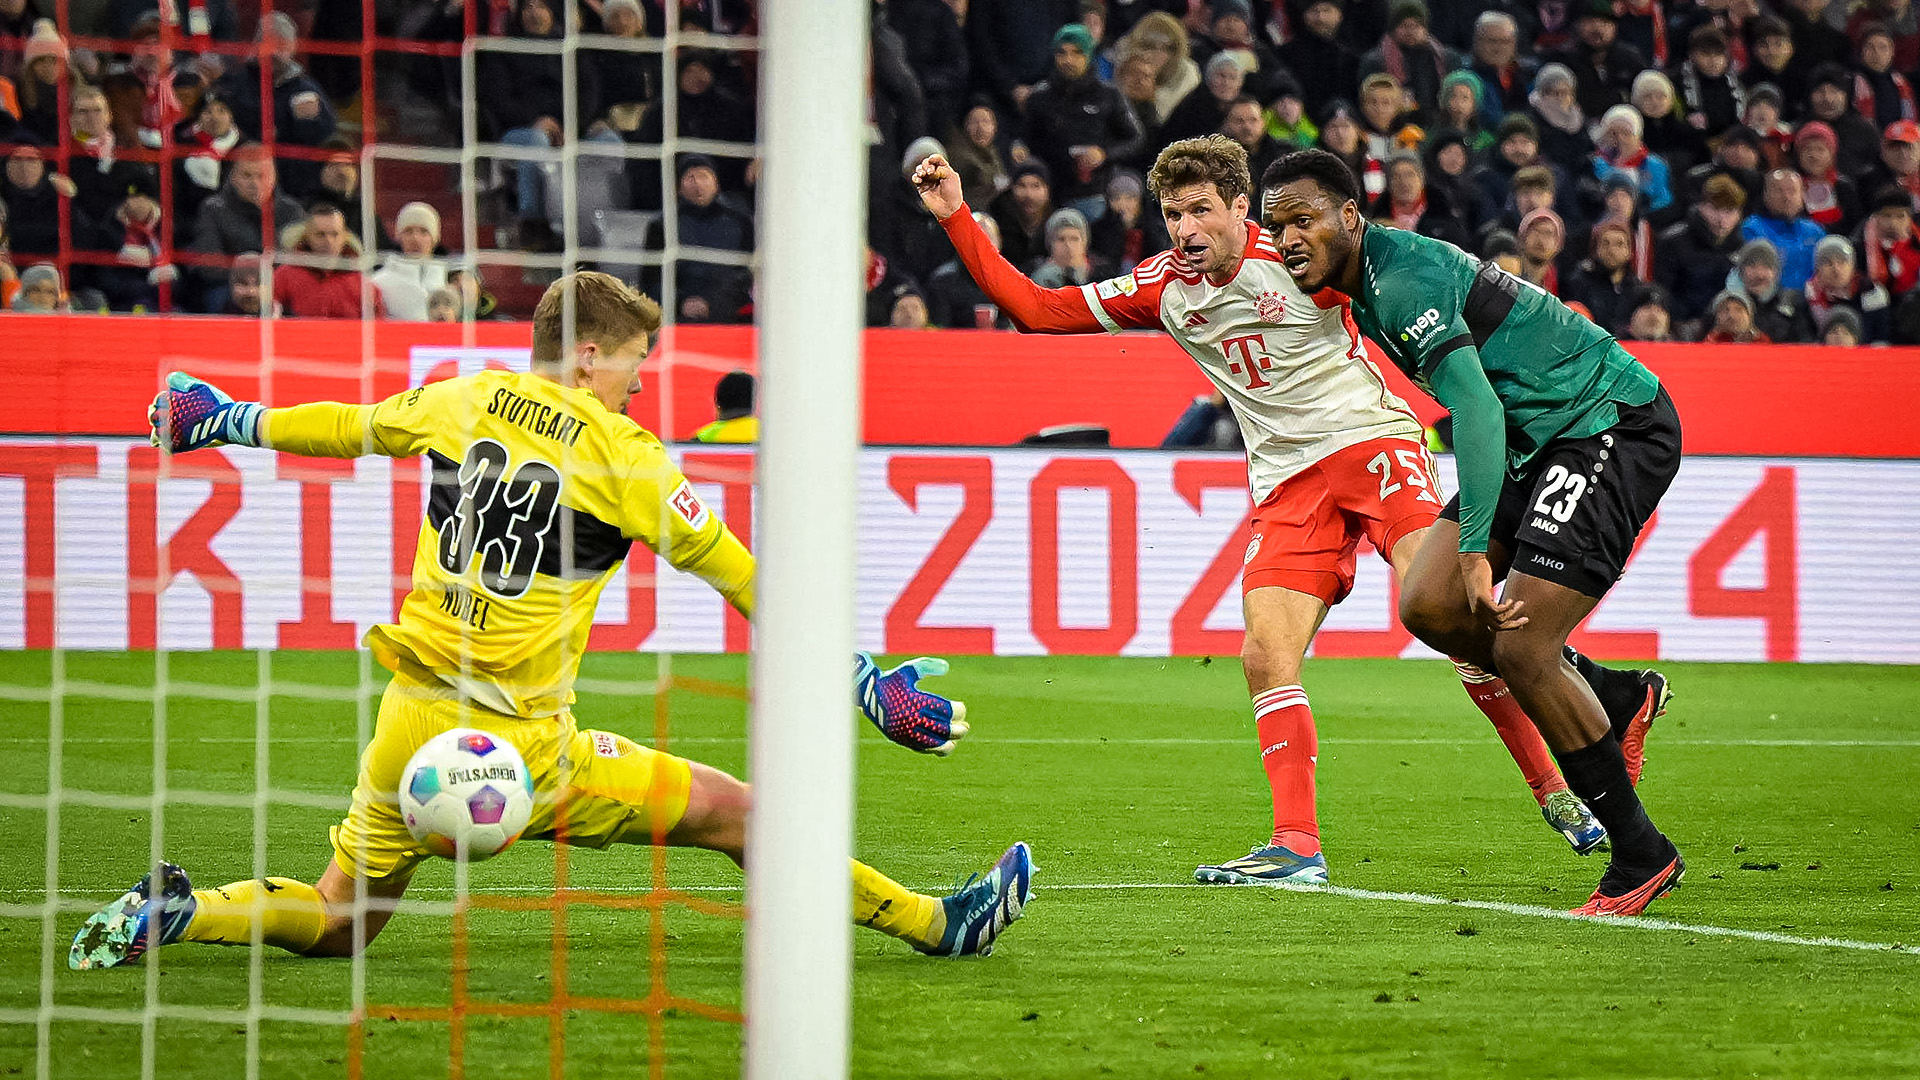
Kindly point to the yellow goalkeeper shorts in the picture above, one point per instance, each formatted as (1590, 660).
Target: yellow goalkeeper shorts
(603, 788)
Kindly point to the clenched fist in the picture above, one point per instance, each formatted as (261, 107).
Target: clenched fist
(939, 186)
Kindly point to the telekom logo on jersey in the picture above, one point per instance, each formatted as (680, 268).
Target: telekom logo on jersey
(1249, 365)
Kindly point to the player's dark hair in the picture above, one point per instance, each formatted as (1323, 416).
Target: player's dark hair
(733, 394)
(1322, 168)
(1209, 159)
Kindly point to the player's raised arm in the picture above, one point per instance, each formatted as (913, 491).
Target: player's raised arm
(1066, 310)
(191, 414)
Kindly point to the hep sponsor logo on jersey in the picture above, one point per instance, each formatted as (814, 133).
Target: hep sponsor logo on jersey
(1113, 288)
(689, 507)
(1421, 328)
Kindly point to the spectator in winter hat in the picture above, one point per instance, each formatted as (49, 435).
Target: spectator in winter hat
(32, 193)
(1652, 319)
(1602, 66)
(1677, 142)
(1832, 199)
(1693, 257)
(1880, 92)
(1781, 314)
(1205, 109)
(1410, 54)
(1710, 96)
(1129, 232)
(1230, 32)
(302, 114)
(1078, 124)
(1543, 236)
(1889, 242)
(1762, 116)
(1620, 150)
(1782, 221)
(1022, 212)
(1556, 112)
(1771, 59)
(1328, 71)
(39, 292)
(1342, 136)
(407, 277)
(1843, 328)
(1604, 280)
(1733, 321)
(1462, 97)
(1738, 157)
(1067, 261)
(1830, 100)
(1837, 285)
(704, 291)
(1899, 160)
(1898, 19)
(43, 67)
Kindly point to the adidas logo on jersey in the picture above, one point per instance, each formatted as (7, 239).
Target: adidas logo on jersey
(1195, 319)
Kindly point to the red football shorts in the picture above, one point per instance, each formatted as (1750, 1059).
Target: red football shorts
(1306, 533)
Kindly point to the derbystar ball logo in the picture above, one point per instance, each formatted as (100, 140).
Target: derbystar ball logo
(1271, 307)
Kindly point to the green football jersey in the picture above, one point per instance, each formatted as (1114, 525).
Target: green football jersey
(1557, 375)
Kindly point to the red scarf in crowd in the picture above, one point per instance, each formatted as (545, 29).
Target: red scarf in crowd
(1408, 215)
(1651, 9)
(1823, 204)
(1893, 261)
(1863, 96)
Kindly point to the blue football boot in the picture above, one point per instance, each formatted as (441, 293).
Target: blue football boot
(119, 933)
(1270, 865)
(983, 907)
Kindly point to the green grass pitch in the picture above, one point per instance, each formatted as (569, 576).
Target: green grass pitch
(1793, 791)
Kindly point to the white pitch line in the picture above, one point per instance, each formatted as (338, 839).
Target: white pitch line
(1533, 911)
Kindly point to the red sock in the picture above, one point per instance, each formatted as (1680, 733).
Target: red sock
(1289, 749)
(1523, 740)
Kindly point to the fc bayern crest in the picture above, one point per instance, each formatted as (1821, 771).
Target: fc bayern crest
(1271, 307)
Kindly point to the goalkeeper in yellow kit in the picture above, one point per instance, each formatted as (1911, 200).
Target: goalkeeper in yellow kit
(540, 486)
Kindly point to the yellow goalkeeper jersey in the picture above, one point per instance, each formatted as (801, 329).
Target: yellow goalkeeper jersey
(537, 494)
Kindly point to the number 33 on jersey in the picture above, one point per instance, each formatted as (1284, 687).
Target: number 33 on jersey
(537, 495)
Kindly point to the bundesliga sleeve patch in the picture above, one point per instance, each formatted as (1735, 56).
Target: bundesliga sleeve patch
(1113, 288)
(689, 507)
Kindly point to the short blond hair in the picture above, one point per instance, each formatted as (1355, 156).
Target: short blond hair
(606, 311)
(1209, 159)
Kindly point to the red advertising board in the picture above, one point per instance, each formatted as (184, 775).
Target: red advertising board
(95, 375)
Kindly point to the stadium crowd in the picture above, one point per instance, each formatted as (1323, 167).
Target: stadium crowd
(1717, 170)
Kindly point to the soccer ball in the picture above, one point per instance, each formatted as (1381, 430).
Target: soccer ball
(466, 794)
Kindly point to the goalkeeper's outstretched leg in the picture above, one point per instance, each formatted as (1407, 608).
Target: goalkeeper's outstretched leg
(319, 919)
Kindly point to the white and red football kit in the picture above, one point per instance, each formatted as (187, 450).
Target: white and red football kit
(1332, 453)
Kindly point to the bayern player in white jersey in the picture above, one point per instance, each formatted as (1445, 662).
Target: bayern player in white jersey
(1332, 455)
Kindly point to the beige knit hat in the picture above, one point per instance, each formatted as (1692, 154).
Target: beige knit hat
(44, 41)
(419, 213)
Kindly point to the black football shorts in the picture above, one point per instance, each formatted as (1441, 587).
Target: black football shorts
(1574, 517)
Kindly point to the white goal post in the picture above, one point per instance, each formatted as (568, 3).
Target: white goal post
(800, 835)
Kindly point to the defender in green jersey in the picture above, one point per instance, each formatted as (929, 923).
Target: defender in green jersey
(1564, 445)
